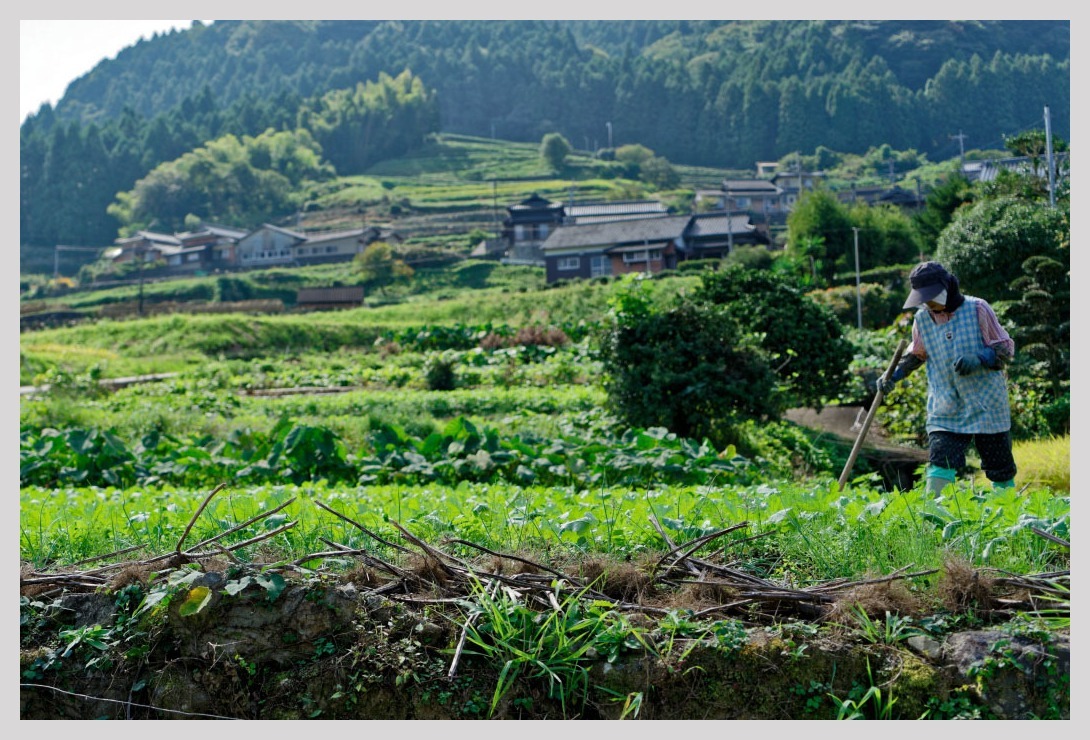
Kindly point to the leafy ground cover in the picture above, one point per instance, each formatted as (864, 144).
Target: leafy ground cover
(523, 610)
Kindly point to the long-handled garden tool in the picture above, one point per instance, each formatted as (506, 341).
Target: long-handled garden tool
(870, 416)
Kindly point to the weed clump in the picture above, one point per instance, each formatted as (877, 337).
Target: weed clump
(963, 588)
(618, 580)
(875, 599)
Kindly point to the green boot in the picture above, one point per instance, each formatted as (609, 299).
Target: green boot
(939, 478)
(998, 484)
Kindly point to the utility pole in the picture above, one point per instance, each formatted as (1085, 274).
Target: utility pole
(140, 306)
(858, 294)
(609, 130)
(961, 143)
(1048, 145)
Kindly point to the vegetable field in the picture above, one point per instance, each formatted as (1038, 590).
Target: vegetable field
(367, 516)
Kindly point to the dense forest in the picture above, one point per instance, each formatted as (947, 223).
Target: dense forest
(715, 93)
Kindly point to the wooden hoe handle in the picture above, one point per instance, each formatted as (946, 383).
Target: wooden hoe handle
(870, 416)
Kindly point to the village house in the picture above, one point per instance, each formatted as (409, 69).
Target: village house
(755, 196)
(648, 245)
(217, 247)
(148, 246)
(268, 246)
(986, 170)
(527, 226)
(792, 183)
(715, 235)
(530, 222)
(613, 247)
(209, 248)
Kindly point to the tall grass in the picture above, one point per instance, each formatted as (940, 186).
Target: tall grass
(1041, 462)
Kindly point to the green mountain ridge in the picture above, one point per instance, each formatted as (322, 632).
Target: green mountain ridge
(505, 78)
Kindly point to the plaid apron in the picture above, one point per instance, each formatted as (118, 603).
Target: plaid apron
(977, 403)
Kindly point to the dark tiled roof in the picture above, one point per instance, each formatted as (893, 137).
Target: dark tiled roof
(761, 186)
(712, 224)
(536, 201)
(898, 196)
(616, 232)
(207, 230)
(987, 170)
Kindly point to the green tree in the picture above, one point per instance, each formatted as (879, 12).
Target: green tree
(379, 267)
(229, 180)
(358, 126)
(803, 340)
(987, 243)
(887, 236)
(945, 198)
(821, 226)
(636, 154)
(659, 172)
(687, 367)
(750, 256)
(1041, 317)
(1033, 144)
(555, 150)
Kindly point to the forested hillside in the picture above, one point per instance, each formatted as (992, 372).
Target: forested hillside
(711, 93)
(747, 89)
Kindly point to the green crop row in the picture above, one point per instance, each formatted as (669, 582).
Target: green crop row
(810, 533)
(297, 453)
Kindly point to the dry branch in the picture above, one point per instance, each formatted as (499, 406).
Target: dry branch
(360, 527)
(193, 519)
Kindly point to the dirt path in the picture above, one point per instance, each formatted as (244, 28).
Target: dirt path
(846, 422)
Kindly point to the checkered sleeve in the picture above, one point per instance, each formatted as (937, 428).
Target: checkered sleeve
(916, 347)
(994, 335)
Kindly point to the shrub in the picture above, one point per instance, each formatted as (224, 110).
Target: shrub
(803, 340)
(750, 256)
(880, 305)
(439, 372)
(987, 244)
(688, 368)
(699, 265)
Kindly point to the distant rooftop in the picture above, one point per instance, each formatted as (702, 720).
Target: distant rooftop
(616, 232)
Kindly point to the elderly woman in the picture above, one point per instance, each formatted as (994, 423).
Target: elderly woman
(965, 349)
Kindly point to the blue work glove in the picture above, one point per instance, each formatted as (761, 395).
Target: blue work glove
(967, 364)
(886, 384)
